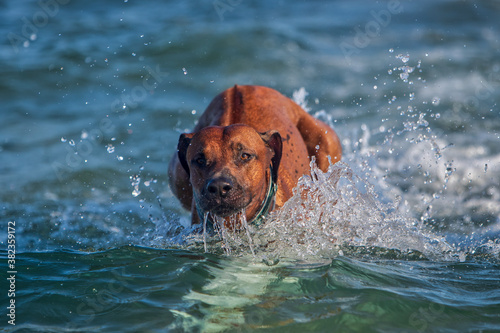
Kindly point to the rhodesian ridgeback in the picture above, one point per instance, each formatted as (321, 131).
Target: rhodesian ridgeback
(247, 153)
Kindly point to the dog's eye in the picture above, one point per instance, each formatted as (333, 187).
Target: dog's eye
(201, 161)
(246, 156)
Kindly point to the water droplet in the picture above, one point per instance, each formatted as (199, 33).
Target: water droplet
(436, 100)
(63, 139)
(403, 58)
(72, 143)
(184, 70)
(110, 148)
(119, 158)
(391, 50)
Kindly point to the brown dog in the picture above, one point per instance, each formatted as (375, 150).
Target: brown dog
(247, 152)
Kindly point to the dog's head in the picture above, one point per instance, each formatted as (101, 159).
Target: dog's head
(230, 167)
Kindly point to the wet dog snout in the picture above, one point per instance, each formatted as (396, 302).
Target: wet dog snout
(219, 187)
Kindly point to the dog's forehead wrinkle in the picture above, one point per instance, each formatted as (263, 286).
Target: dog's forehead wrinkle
(237, 145)
(247, 139)
(206, 141)
(239, 130)
(208, 152)
(222, 140)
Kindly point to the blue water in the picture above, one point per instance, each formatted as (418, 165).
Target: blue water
(95, 94)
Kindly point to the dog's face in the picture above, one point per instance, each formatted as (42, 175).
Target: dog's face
(229, 167)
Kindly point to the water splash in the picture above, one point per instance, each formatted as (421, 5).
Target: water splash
(405, 69)
(231, 232)
(338, 210)
(299, 97)
(205, 220)
(330, 214)
(110, 148)
(135, 181)
(247, 231)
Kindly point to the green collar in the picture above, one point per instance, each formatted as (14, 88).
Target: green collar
(268, 203)
(266, 206)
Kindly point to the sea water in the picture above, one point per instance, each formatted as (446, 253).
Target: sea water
(402, 235)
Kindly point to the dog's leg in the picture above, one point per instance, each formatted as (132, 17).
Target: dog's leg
(320, 139)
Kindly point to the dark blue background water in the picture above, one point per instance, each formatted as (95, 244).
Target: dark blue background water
(95, 94)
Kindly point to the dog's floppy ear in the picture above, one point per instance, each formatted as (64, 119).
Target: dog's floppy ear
(182, 147)
(273, 140)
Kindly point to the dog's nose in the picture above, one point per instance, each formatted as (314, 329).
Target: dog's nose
(220, 187)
